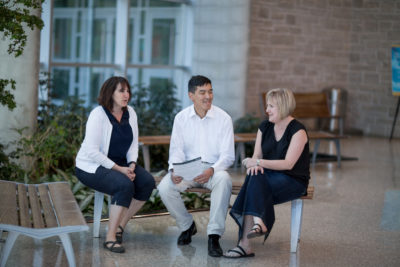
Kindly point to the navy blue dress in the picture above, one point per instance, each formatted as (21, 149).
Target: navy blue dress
(261, 192)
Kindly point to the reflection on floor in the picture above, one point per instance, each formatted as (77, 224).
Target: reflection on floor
(353, 220)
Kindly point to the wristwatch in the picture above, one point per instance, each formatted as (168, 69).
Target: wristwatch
(258, 162)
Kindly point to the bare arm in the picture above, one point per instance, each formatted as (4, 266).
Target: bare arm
(295, 149)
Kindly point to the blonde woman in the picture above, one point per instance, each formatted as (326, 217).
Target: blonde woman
(278, 171)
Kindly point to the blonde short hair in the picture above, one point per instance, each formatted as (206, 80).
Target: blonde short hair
(284, 99)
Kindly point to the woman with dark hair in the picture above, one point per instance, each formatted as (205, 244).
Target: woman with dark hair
(278, 172)
(107, 158)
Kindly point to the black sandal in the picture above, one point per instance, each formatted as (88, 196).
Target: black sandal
(240, 253)
(256, 231)
(118, 235)
(113, 248)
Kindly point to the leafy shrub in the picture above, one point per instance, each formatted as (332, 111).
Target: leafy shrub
(55, 143)
(156, 107)
(247, 124)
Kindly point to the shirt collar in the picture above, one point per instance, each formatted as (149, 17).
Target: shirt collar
(210, 113)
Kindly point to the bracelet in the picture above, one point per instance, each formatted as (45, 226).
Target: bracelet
(258, 162)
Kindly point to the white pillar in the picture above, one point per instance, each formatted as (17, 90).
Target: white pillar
(25, 71)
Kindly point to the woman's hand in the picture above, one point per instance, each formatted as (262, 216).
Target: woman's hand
(128, 171)
(254, 170)
(249, 162)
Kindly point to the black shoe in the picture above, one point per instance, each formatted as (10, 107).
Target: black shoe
(214, 249)
(186, 236)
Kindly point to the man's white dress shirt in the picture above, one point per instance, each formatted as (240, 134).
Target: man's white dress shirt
(210, 138)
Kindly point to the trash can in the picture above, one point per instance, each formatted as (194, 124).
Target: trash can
(337, 101)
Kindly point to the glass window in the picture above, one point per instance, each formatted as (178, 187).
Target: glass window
(163, 42)
(84, 42)
(62, 38)
(61, 83)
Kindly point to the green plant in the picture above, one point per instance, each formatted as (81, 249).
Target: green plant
(247, 124)
(156, 107)
(196, 201)
(56, 140)
(8, 169)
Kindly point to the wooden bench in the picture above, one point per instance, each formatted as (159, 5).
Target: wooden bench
(39, 211)
(315, 106)
(296, 209)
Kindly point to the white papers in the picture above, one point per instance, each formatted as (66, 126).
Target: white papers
(189, 170)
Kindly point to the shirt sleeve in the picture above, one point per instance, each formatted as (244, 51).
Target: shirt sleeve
(227, 148)
(93, 140)
(133, 151)
(176, 147)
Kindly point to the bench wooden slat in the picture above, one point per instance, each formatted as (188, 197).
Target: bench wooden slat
(67, 210)
(36, 211)
(155, 140)
(311, 105)
(49, 217)
(25, 220)
(8, 204)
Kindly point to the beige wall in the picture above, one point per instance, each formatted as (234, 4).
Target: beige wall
(24, 70)
(220, 45)
(309, 45)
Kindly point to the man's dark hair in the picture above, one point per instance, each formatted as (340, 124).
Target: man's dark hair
(195, 81)
(108, 88)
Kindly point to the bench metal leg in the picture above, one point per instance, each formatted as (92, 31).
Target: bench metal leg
(240, 154)
(339, 157)
(12, 236)
(315, 152)
(146, 157)
(69, 252)
(98, 207)
(297, 213)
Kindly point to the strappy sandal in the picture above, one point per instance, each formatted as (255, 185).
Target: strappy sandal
(240, 253)
(118, 235)
(112, 247)
(256, 231)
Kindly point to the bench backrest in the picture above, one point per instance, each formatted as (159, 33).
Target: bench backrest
(308, 105)
(311, 105)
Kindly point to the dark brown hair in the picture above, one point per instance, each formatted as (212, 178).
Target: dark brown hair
(108, 88)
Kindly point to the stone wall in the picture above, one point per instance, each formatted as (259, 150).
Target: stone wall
(309, 45)
(220, 49)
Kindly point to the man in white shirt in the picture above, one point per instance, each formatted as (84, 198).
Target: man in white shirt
(206, 131)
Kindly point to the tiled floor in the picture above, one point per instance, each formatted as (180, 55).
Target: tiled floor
(353, 220)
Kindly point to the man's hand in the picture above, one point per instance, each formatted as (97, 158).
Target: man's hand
(205, 176)
(176, 179)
